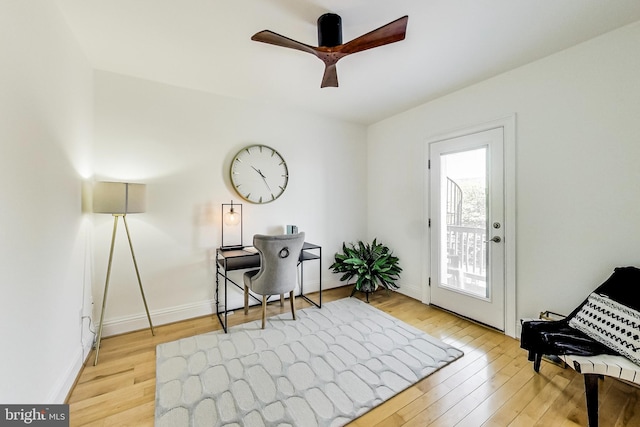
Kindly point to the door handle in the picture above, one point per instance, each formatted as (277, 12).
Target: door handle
(495, 239)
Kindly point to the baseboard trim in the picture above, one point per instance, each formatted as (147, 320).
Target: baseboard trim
(164, 316)
(67, 380)
(137, 322)
(414, 292)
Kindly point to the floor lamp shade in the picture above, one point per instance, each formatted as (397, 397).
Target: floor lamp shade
(119, 198)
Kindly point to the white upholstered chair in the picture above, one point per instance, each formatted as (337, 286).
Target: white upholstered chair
(278, 273)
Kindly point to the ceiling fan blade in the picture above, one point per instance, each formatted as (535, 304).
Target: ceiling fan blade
(270, 37)
(330, 77)
(390, 33)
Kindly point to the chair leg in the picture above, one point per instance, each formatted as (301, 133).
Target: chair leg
(292, 299)
(246, 300)
(281, 300)
(264, 309)
(536, 362)
(591, 392)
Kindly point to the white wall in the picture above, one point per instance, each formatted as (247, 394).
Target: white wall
(181, 142)
(45, 131)
(578, 178)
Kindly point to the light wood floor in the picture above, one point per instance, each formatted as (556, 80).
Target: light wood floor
(492, 385)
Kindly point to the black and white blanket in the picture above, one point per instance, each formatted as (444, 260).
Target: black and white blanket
(610, 323)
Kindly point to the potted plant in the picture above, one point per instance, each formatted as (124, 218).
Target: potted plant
(373, 265)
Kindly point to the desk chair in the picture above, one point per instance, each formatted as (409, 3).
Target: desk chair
(278, 269)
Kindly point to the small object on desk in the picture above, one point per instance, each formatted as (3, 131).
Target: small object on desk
(292, 229)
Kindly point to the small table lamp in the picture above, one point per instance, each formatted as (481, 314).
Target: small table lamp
(119, 199)
(231, 219)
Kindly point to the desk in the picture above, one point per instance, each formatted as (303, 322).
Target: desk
(242, 259)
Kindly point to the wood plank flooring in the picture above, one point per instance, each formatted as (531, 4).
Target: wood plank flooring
(492, 385)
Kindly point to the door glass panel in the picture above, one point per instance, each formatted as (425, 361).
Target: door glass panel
(464, 230)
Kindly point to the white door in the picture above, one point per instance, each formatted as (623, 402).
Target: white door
(467, 224)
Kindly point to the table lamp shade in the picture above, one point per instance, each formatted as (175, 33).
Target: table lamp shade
(119, 198)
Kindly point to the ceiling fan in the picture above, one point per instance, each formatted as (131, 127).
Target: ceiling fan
(331, 49)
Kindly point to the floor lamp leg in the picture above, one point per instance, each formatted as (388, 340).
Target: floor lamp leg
(106, 285)
(106, 288)
(133, 255)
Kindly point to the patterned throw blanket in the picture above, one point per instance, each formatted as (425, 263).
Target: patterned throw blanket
(610, 323)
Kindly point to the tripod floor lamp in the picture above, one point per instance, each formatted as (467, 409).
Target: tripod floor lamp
(119, 199)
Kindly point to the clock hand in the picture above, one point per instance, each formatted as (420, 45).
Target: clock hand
(258, 170)
(264, 178)
(265, 182)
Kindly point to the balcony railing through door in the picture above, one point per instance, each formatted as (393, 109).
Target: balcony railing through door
(466, 247)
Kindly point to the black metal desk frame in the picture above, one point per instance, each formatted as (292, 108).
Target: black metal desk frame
(239, 259)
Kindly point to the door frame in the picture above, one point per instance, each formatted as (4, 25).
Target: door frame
(508, 124)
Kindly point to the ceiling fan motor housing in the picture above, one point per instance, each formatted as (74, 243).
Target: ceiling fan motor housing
(329, 30)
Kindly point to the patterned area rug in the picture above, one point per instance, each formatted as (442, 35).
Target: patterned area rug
(325, 369)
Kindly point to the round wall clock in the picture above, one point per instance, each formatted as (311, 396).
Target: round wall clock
(259, 174)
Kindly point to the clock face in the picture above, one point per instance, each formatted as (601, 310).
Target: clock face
(259, 174)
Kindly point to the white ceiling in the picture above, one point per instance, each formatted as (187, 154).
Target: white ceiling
(450, 44)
